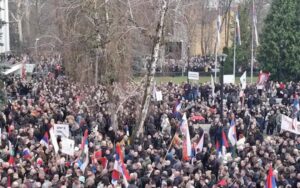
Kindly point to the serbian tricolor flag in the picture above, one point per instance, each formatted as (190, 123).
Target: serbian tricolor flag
(26, 154)
(271, 183)
(232, 133)
(11, 159)
(84, 139)
(119, 167)
(45, 140)
(218, 148)
(224, 140)
(187, 145)
(84, 158)
(97, 156)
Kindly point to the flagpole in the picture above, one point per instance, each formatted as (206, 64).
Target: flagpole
(252, 42)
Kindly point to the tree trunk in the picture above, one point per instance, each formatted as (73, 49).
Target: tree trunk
(151, 72)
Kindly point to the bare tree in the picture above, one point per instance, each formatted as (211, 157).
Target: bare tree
(151, 71)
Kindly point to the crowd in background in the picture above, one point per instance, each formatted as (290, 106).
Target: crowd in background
(156, 159)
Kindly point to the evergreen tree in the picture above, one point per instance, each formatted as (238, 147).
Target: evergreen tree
(279, 50)
(243, 51)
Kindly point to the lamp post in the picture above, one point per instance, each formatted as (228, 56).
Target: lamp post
(222, 59)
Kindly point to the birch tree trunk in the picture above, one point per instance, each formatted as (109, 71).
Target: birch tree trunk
(139, 130)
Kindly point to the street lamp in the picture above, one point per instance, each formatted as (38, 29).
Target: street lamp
(36, 51)
(222, 59)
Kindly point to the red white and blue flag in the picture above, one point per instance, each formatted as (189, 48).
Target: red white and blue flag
(84, 158)
(45, 140)
(120, 168)
(271, 183)
(26, 153)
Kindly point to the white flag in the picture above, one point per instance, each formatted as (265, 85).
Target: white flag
(243, 80)
(53, 140)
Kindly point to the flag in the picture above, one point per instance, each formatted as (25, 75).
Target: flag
(187, 146)
(26, 153)
(104, 162)
(219, 22)
(176, 140)
(243, 80)
(11, 159)
(232, 133)
(271, 183)
(45, 140)
(224, 140)
(53, 140)
(218, 148)
(119, 167)
(263, 77)
(199, 146)
(254, 24)
(84, 139)
(84, 158)
(238, 31)
(177, 108)
(97, 155)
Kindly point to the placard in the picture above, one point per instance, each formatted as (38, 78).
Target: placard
(159, 96)
(67, 146)
(193, 75)
(61, 130)
(228, 79)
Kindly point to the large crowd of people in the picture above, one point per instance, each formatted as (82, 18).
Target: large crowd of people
(156, 159)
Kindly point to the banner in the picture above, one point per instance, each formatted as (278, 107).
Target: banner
(61, 130)
(159, 96)
(228, 79)
(193, 75)
(290, 125)
(67, 146)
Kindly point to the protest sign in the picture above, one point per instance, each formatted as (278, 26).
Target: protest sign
(61, 130)
(67, 146)
(193, 75)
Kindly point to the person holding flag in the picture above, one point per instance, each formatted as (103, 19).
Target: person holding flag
(271, 183)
